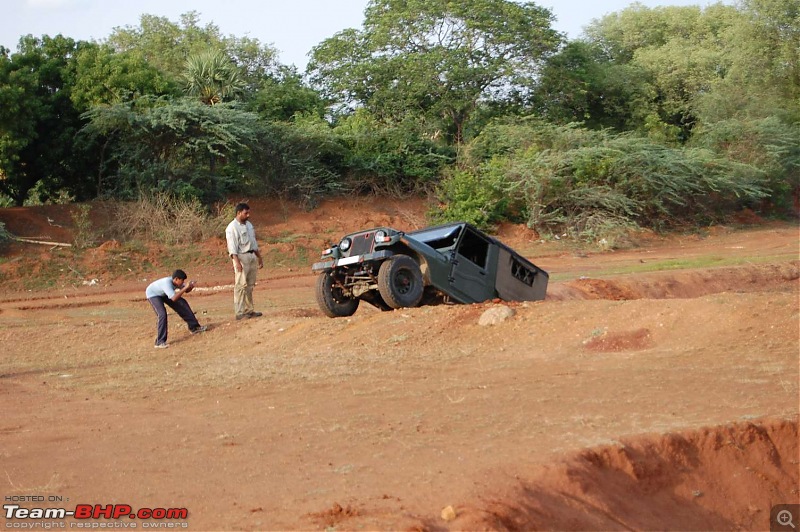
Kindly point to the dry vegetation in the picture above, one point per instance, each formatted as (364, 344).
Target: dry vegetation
(168, 220)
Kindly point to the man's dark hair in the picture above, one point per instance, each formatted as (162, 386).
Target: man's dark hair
(179, 274)
(242, 207)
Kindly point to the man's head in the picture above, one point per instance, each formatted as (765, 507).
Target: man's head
(242, 212)
(178, 278)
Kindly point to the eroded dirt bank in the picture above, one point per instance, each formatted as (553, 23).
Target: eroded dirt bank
(723, 478)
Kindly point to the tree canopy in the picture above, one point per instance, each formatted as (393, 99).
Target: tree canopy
(434, 60)
(654, 116)
(38, 121)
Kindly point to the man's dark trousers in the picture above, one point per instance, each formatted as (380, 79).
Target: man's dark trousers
(181, 307)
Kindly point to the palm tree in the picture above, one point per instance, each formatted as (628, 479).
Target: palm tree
(212, 76)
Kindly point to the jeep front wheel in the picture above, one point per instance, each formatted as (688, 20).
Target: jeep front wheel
(400, 282)
(331, 299)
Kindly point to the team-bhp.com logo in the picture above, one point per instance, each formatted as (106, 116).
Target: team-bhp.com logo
(95, 511)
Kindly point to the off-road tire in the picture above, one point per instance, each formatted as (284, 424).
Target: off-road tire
(331, 300)
(400, 282)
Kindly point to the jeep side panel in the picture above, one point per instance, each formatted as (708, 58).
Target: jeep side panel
(518, 279)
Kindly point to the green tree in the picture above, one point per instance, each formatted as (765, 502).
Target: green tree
(257, 62)
(167, 45)
(212, 77)
(772, 38)
(581, 84)
(164, 44)
(103, 76)
(164, 145)
(763, 78)
(38, 121)
(434, 60)
(679, 52)
(284, 95)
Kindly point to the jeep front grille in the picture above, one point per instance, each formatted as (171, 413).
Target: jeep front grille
(362, 243)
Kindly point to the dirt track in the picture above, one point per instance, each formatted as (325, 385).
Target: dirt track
(678, 389)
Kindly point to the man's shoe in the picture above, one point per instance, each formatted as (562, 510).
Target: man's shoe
(254, 315)
(161, 346)
(202, 328)
(242, 317)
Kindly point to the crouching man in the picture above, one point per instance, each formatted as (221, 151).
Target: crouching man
(168, 292)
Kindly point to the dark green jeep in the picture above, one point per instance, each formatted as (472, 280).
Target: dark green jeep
(391, 269)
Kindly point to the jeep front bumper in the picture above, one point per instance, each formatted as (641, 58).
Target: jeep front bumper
(328, 265)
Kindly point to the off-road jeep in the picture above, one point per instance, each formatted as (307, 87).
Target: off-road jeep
(391, 269)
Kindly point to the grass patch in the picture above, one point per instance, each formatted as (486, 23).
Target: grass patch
(184, 255)
(300, 258)
(675, 264)
(286, 237)
(60, 270)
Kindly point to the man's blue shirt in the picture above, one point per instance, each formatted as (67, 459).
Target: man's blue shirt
(161, 287)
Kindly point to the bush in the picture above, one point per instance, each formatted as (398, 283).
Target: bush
(504, 137)
(480, 199)
(5, 236)
(300, 160)
(595, 185)
(770, 145)
(390, 160)
(632, 178)
(83, 237)
(178, 147)
(168, 219)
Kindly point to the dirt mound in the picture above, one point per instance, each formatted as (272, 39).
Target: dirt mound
(683, 284)
(621, 341)
(722, 478)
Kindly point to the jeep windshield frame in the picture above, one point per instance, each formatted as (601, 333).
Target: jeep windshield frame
(441, 238)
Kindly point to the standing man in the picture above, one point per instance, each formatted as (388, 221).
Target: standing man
(169, 291)
(243, 250)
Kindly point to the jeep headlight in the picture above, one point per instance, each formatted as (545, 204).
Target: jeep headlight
(344, 245)
(380, 237)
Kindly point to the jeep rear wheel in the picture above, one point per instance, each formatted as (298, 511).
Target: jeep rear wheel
(331, 299)
(400, 282)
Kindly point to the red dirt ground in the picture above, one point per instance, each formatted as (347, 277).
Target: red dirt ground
(655, 388)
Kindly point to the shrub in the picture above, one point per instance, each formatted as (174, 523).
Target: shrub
(168, 219)
(179, 147)
(770, 145)
(301, 160)
(83, 236)
(595, 185)
(5, 236)
(635, 179)
(394, 160)
(504, 137)
(481, 199)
